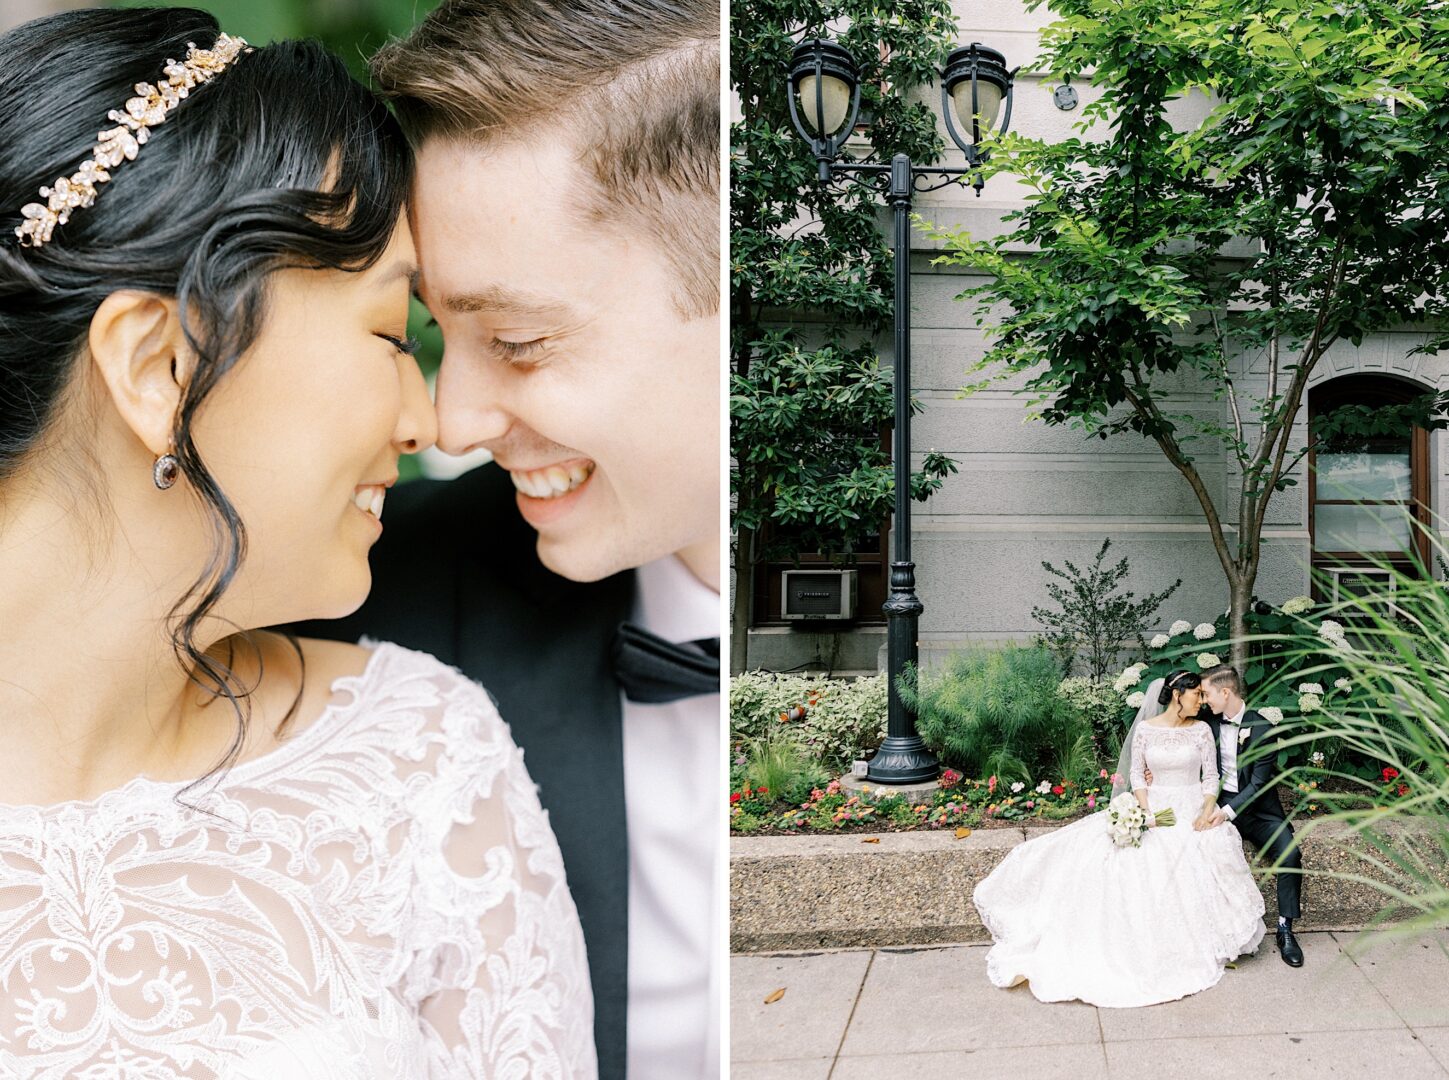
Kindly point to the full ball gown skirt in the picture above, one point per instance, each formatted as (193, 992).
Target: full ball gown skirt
(1078, 917)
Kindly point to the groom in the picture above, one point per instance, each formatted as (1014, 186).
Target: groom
(567, 217)
(1248, 801)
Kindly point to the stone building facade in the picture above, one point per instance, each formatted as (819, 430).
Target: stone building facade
(1026, 492)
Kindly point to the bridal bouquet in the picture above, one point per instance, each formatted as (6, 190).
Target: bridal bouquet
(1127, 821)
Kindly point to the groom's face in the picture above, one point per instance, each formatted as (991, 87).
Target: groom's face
(565, 358)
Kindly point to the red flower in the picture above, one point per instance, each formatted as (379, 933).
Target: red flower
(762, 791)
(1403, 789)
(1057, 789)
(1390, 773)
(734, 796)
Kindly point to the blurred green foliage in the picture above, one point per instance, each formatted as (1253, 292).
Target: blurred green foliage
(354, 29)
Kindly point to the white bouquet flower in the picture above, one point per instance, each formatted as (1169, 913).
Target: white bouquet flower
(1272, 714)
(1182, 626)
(1297, 605)
(1311, 688)
(1204, 631)
(1308, 703)
(1207, 660)
(1160, 641)
(1127, 821)
(1137, 699)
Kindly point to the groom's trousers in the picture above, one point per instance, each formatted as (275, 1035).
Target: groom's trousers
(1273, 837)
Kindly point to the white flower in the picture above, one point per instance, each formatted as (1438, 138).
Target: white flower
(1207, 660)
(1330, 630)
(1310, 703)
(1205, 631)
(1296, 605)
(1182, 626)
(1044, 788)
(1272, 714)
(1136, 700)
(1160, 641)
(1310, 688)
(1342, 684)
(1016, 787)
(1128, 679)
(1316, 757)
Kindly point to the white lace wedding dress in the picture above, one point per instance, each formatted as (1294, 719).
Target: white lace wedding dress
(1080, 918)
(380, 898)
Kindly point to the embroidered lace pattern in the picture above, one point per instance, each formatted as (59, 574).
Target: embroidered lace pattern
(379, 897)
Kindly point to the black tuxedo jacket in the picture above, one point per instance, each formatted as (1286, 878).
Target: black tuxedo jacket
(455, 574)
(1255, 794)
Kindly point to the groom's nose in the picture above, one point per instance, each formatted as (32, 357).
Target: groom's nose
(471, 410)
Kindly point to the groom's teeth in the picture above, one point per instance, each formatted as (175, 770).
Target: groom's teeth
(377, 501)
(552, 481)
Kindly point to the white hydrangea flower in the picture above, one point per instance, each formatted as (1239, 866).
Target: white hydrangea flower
(1297, 605)
(1310, 703)
(1205, 631)
(1207, 660)
(1342, 684)
(1136, 700)
(1160, 641)
(1128, 679)
(1044, 788)
(1182, 626)
(1272, 714)
(1016, 787)
(1310, 688)
(1330, 630)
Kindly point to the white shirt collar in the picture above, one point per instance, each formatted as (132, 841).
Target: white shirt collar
(674, 604)
(1237, 718)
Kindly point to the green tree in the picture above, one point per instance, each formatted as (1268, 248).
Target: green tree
(1307, 207)
(806, 417)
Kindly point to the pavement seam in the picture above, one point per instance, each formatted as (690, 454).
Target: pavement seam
(1348, 955)
(859, 990)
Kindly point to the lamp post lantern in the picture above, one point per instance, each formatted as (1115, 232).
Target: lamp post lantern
(824, 98)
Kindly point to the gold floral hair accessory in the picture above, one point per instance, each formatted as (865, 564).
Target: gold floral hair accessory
(143, 112)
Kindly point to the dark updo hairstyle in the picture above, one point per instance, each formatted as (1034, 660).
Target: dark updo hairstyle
(1179, 680)
(228, 190)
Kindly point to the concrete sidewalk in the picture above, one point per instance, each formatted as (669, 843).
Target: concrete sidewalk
(930, 1012)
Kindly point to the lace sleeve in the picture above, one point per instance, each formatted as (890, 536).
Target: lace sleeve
(1210, 782)
(496, 969)
(1139, 758)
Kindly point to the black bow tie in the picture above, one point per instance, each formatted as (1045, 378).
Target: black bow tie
(652, 670)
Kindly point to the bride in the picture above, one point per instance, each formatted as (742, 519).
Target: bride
(1078, 917)
(225, 853)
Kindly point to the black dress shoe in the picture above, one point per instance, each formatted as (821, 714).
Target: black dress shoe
(1288, 947)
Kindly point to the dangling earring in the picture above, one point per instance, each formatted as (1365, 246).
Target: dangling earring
(166, 470)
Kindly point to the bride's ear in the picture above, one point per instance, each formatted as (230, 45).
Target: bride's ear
(139, 351)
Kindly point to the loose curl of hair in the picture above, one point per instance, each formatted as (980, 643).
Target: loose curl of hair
(282, 161)
(1179, 680)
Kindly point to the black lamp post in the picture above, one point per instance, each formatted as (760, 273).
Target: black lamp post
(824, 101)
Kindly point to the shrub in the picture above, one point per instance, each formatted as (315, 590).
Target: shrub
(1093, 619)
(1100, 707)
(834, 721)
(779, 765)
(997, 712)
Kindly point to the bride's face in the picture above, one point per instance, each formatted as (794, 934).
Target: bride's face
(1190, 701)
(304, 435)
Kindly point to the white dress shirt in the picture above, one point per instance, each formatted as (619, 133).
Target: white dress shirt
(1228, 736)
(672, 766)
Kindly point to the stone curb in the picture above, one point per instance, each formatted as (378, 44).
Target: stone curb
(914, 888)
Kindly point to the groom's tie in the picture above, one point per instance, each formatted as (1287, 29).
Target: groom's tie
(652, 670)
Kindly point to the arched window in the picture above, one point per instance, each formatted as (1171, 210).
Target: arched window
(1365, 491)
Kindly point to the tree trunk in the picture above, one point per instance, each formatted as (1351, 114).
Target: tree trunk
(744, 592)
(1241, 592)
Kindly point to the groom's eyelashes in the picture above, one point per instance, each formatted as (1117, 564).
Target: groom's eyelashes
(519, 353)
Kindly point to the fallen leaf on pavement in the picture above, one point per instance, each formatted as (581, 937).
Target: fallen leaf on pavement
(962, 834)
(871, 840)
(774, 996)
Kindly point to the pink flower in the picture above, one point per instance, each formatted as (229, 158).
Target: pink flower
(1103, 774)
(1116, 778)
(1091, 802)
(991, 784)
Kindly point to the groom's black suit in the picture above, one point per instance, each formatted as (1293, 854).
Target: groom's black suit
(1259, 813)
(456, 575)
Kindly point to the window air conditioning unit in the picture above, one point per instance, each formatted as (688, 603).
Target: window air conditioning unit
(818, 594)
(1374, 585)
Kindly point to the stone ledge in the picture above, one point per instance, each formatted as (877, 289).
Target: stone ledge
(914, 888)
